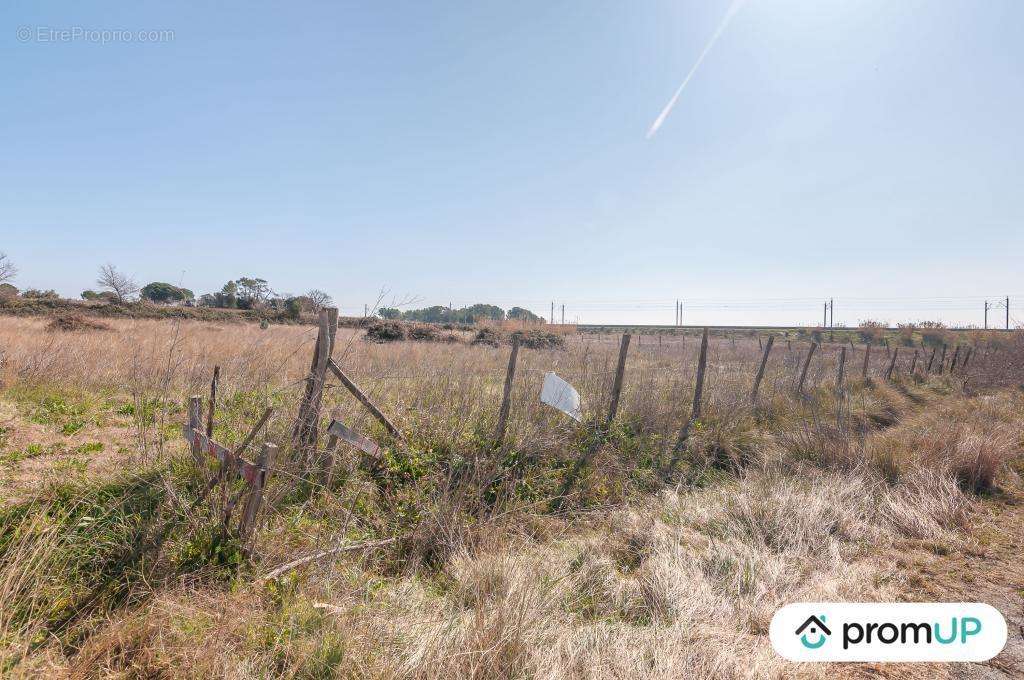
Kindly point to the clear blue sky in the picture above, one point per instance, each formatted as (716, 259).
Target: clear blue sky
(497, 152)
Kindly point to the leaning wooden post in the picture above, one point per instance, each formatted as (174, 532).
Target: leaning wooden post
(942, 360)
(698, 392)
(506, 397)
(760, 368)
(306, 429)
(760, 345)
(956, 355)
(264, 462)
(867, 357)
(892, 363)
(620, 372)
(195, 424)
(213, 400)
(803, 371)
(842, 369)
(913, 363)
(931, 360)
(364, 400)
(967, 357)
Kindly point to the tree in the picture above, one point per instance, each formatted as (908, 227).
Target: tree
(7, 268)
(318, 299)
(121, 285)
(388, 313)
(7, 291)
(252, 292)
(293, 307)
(518, 313)
(161, 292)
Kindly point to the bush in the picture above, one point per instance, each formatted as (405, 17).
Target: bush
(72, 322)
(540, 339)
(871, 331)
(490, 337)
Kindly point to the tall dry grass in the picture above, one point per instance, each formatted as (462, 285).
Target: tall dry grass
(792, 500)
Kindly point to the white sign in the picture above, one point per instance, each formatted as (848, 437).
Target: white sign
(920, 631)
(561, 395)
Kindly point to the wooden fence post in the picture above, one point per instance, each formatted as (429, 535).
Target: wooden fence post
(892, 363)
(803, 371)
(942, 360)
(760, 345)
(760, 368)
(213, 400)
(956, 355)
(620, 372)
(306, 430)
(867, 357)
(967, 357)
(913, 363)
(931, 360)
(506, 397)
(195, 424)
(264, 462)
(842, 369)
(698, 392)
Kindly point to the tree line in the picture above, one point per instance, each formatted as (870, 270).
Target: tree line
(246, 292)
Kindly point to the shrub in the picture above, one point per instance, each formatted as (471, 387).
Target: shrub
(535, 339)
(385, 331)
(489, 336)
(68, 323)
(906, 334)
(871, 331)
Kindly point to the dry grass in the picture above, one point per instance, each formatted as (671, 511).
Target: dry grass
(798, 499)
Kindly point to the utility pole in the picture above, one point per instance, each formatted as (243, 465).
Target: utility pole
(1007, 312)
(831, 313)
(551, 318)
(824, 321)
(563, 314)
(677, 313)
(680, 312)
(986, 314)
(366, 310)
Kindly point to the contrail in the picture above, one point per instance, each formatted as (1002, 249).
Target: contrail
(730, 13)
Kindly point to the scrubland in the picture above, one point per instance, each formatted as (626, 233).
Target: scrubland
(474, 567)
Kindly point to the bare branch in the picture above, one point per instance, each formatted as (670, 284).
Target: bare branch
(7, 268)
(122, 285)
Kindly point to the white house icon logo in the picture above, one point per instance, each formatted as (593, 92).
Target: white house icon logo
(813, 632)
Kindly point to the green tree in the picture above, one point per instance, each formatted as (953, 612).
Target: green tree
(520, 314)
(161, 292)
(388, 313)
(252, 292)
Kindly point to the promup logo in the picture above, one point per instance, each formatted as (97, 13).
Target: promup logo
(817, 631)
(888, 632)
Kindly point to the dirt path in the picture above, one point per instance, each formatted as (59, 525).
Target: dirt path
(988, 568)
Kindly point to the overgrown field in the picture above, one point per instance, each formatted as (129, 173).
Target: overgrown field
(480, 561)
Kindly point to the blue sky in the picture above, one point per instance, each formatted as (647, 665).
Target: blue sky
(497, 152)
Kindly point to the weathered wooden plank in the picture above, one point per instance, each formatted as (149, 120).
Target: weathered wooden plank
(364, 400)
(349, 436)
